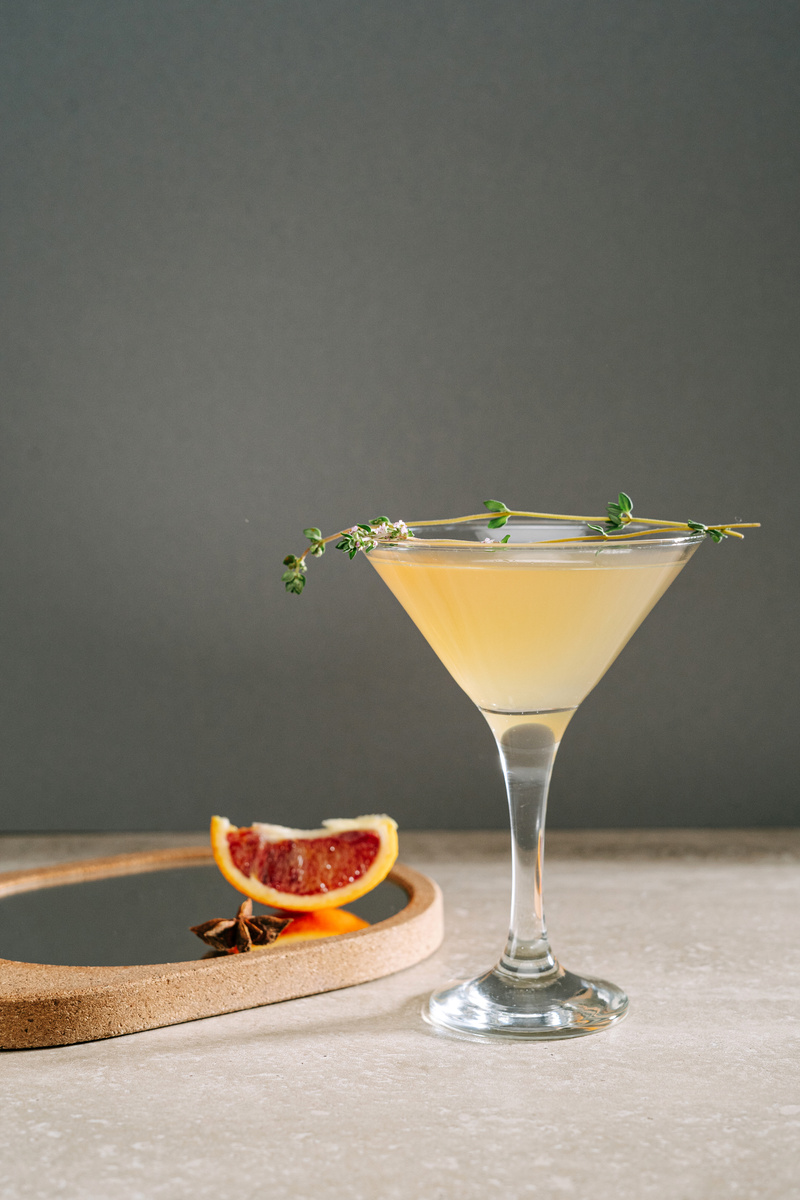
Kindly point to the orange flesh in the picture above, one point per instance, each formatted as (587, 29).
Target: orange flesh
(304, 866)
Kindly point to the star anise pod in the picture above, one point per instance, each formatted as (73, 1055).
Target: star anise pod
(242, 932)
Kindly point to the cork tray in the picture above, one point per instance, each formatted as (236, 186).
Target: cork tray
(110, 916)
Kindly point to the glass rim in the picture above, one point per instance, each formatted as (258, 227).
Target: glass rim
(666, 539)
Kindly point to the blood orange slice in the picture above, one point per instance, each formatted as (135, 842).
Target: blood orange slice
(301, 870)
(326, 923)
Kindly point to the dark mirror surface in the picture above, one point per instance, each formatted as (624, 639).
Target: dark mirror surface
(135, 919)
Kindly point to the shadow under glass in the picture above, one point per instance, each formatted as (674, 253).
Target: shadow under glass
(137, 919)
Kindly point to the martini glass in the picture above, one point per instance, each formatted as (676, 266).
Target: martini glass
(527, 629)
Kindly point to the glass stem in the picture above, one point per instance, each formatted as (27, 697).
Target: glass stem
(528, 743)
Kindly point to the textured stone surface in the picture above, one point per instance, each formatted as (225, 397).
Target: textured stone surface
(696, 1096)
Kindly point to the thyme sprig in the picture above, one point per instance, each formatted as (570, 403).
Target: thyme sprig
(358, 537)
(611, 527)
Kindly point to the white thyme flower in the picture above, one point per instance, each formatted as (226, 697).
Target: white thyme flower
(362, 539)
(391, 531)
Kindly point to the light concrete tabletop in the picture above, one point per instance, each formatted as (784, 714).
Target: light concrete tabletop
(695, 1096)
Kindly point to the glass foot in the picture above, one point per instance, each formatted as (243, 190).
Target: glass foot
(498, 1005)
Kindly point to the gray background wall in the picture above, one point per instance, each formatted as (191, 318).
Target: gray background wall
(278, 263)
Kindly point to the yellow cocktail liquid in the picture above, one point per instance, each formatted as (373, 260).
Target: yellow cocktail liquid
(527, 636)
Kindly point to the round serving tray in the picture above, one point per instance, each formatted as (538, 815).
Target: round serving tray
(43, 1004)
